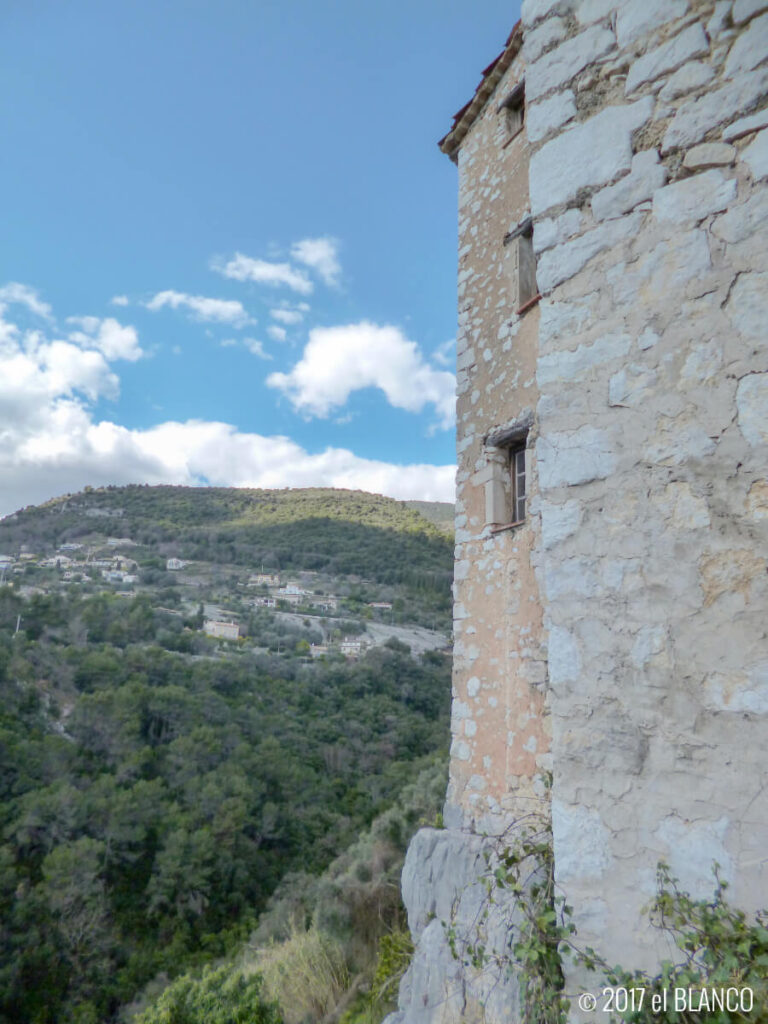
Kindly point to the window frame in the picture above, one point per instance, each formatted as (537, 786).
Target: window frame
(507, 456)
(512, 109)
(526, 289)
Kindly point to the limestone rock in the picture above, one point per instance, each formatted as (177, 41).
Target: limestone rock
(743, 10)
(545, 116)
(752, 405)
(637, 17)
(709, 154)
(747, 306)
(569, 458)
(719, 18)
(646, 175)
(690, 76)
(746, 125)
(696, 117)
(750, 49)
(559, 66)
(690, 43)
(694, 198)
(536, 42)
(534, 10)
(595, 152)
(755, 156)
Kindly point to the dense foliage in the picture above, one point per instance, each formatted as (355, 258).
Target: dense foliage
(151, 801)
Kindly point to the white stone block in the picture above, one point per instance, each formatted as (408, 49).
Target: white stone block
(719, 18)
(558, 522)
(535, 42)
(694, 198)
(589, 11)
(755, 156)
(554, 230)
(561, 263)
(646, 175)
(696, 117)
(690, 76)
(743, 10)
(570, 458)
(581, 843)
(558, 67)
(563, 656)
(746, 125)
(709, 154)
(588, 155)
(743, 220)
(747, 306)
(534, 10)
(750, 49)
(568, 366)
(752, 405)
(639, 17)
(545, 116)
(690, 43)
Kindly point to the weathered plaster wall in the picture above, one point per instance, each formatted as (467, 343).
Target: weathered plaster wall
(619, 637)
(500, 724)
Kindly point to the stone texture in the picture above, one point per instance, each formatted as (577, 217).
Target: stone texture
(746, 125)
(575, 457)
(647, 174)
(533, 10)
(689, 78)
(551, 31)
(572, 365)
(545, 116)
(747, 306)
(595, 153)
(694, 198)
(558, 264)
(559, 66)
(697, 117)
(752, 405)
(638, 17)
(709, 154)
(750, 49)
(755, 156)
(743, 10)
(719, 18)
(744, 220)
(553, 231)
(690, 43)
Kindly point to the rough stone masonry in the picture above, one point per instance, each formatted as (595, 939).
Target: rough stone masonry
(612, 500)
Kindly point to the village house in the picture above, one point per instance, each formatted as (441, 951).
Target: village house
(174, 564)
(221, 630)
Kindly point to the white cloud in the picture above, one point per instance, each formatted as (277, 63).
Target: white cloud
(108, 336)
(287, 316)
(50, 443)
(321, 254)
(340, 360)
(277, 333)
(14, 293)
(223, 311)
(445, 354)
(245, 268)
(256, 348)
(120, 300)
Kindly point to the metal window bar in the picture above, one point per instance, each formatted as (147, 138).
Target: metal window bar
(518, 479)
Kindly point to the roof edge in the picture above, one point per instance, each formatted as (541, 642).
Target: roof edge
(466, 117)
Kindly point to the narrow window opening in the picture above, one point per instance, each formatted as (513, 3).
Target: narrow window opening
(519, 243)
(517, 469)
(512, 109)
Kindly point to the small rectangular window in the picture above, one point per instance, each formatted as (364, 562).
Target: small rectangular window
(519, 243)
(506, 475)
(512, 109)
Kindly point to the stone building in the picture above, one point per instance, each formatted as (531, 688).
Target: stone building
(612, 501)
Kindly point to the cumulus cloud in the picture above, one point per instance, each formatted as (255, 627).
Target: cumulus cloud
(222, 311)
(245, 268)
(321, 254)
(119, 300)
(277, 333)
(340, 360)
(256, 348)
(107, 336)
(50, 442)
(445, 354)
(287, 316)
(14, 293)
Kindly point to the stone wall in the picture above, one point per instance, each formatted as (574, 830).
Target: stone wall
(618, 637)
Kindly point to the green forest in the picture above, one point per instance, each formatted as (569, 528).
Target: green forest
(186, 823)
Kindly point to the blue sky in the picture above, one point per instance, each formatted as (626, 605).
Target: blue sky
(229, 251)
